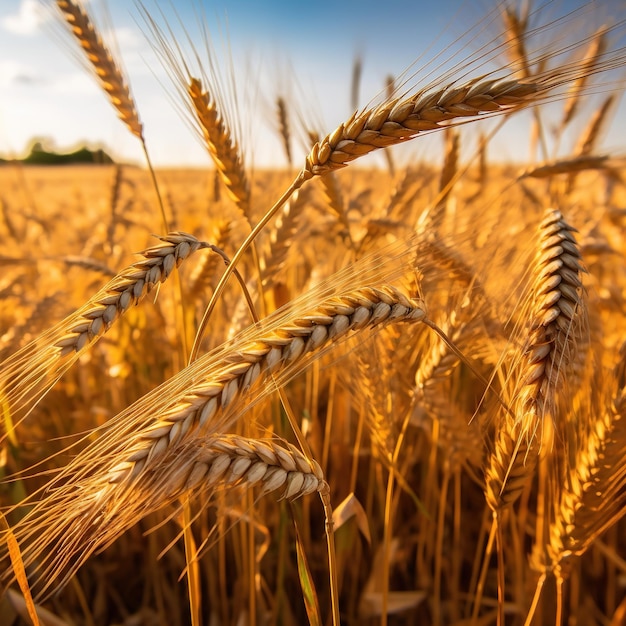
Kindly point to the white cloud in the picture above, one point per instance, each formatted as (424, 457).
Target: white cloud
(27, 20)
(75, 84)
(12, 72)
(125, 38)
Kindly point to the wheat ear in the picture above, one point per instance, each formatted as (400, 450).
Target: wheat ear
(203, 465)
(284, 129)
(596, 49)
(221, 145)
(274, 354)
(29, 374)
(111, 79)
(558, 315)
(447, 178)
(515, 27)
(589, 138)
(108, 72)
(592, 500)
(205, 398)
(334, 199)
(398, 120)
(570, 166)
(281, 237)
(204, 275)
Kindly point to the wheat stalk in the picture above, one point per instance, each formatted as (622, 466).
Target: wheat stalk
(108, 72)
(198, 402)
(202, 466)
(221, 145)
(558, 315)
(592, 498)
(31, 372)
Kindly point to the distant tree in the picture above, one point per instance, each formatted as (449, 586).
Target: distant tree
(42, 152)
(40, 156)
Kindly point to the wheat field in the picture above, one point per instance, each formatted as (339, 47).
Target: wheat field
(384, 389)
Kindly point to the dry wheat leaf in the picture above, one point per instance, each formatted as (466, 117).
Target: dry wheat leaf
(19, 570)
(397, 601)
(352, 508)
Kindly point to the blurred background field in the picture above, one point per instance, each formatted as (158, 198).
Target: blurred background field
(511, 238)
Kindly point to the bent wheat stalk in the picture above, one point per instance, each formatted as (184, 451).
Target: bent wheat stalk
(27, 375)
(201, 465)
(150, 436)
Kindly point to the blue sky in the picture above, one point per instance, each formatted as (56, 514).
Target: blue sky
(303, 51)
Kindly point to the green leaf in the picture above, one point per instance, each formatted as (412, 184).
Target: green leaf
(309, 594)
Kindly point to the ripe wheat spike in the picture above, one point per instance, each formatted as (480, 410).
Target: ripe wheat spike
(106, 69)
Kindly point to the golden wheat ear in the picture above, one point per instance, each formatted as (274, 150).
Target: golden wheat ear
(221, 145)
(557, 315)
(284, 128)
(204, 465)
(111, 79)
(28, 375)
(204, 106)
(115, 473)
(108, 72)
(593, 498)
